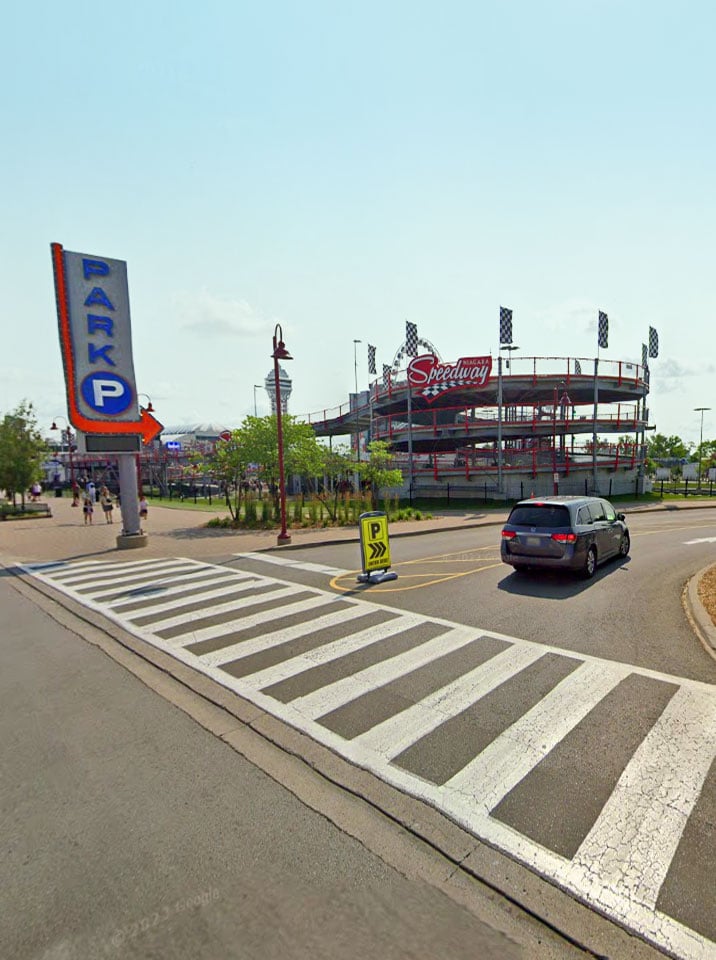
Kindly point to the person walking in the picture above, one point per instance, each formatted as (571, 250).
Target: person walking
(88, 510)
(105, 499)
(143, 508)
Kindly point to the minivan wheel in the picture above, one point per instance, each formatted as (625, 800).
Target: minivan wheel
(590, 563)
(624, 545)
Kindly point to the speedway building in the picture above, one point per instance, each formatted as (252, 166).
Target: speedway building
(509, 427)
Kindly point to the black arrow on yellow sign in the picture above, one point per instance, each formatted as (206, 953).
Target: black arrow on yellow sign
(377, 549)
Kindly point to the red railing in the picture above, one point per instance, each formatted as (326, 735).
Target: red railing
(620, 371)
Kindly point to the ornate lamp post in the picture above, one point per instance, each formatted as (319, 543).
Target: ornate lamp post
(68, 433)
(280, 353)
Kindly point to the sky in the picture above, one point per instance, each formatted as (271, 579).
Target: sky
(340, 168)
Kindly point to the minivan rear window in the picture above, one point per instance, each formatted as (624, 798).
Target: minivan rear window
(547, 515)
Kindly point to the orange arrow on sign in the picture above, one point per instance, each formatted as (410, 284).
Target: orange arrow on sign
(147, 425)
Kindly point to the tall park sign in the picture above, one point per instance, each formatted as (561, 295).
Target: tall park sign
(96, 341)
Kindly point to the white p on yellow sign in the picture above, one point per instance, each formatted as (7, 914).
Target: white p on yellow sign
(374, 542)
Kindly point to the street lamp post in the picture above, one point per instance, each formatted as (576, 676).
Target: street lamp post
(280, 353)
(355, 373)
(68, 433)
(701, 410)
(257, 386)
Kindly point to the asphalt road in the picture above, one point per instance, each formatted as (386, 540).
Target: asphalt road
(630, 612)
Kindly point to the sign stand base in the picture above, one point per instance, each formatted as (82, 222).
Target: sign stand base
(377, 576)
(128, 541)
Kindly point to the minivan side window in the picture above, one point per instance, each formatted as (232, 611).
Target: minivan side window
(597, 510)
(609, 512)
(584, 516)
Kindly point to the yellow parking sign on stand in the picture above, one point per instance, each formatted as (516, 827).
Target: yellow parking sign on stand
(375, 548)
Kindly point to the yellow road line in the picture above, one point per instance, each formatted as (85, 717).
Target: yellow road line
(418, 586)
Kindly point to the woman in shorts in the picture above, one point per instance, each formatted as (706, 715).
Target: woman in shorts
(105, 499)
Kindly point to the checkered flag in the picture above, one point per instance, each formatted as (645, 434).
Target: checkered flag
(371, 359)
(411, 339)
(505, 325)
(644, 355)
(386, 375)
(603, 330)
(653, 342)
(577, 368)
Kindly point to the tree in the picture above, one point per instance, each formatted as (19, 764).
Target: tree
(338, 467)
(661, 447)
(376, 470)
(229, 467)
(255, 445)
(22, 450)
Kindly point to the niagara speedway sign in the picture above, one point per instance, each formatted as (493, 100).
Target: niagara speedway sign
(432, 378)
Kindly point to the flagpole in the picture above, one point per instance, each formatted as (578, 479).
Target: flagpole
(499, 422)
(594, 426)
(410, 440)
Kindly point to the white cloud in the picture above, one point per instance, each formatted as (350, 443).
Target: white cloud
(209, 314)
(571, 315)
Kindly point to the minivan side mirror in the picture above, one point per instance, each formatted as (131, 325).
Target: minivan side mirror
(621, 516)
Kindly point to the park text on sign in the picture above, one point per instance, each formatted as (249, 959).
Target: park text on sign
(432, 378)
(375, 545)
(101, 337)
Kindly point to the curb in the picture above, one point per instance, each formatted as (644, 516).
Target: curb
(699, 616)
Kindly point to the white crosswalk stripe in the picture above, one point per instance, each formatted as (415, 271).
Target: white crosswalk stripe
(221, 587)
(289, 668)
(343, 652)
(191, 636)
(157, 602)
(512, 755)
(396, 734)
(636, 836)
(337, 694)
(289, 563)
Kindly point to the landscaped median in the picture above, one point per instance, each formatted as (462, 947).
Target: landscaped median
(707, 592)
(303, 513)
(27, 511)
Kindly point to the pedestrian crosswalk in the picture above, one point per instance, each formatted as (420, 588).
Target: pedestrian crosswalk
(592, 772)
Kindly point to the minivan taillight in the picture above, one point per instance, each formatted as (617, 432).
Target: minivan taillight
(508, 534)
(565, 537)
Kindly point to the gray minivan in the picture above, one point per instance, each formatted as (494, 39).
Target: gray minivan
(576, 533)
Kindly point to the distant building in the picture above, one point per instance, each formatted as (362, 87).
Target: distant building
(197, 436)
